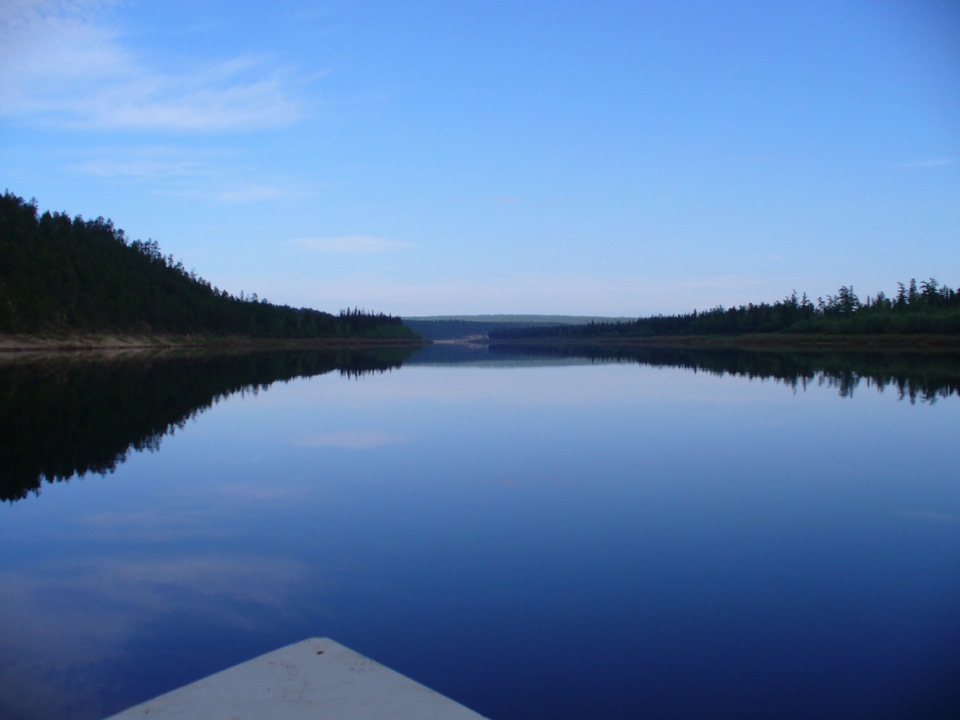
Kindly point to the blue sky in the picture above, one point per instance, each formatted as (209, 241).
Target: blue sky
(445, 157)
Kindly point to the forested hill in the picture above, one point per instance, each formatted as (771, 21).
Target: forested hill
(69, 275)
(926, 308)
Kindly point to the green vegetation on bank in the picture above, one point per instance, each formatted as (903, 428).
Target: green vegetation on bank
(927, 308)
(61, 275)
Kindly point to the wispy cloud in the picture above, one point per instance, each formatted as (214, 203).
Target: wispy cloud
(351, 244)
(208, 173)
(145, 163)
(929, 163)
(352, 439)
(64, 65)
(251, 193)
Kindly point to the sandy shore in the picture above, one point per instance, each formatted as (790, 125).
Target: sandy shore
(66, 343)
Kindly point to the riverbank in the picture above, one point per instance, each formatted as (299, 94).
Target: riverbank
(767, 341)
(113, 342)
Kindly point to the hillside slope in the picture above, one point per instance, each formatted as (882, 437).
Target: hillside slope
(59, 275)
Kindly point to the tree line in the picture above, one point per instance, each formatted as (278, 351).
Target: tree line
(62, 274)
(926, 307)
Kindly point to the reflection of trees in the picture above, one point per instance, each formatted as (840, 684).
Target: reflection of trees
(916, 376)
(68, 415)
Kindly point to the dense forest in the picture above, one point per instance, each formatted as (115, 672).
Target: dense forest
(69, 275)
(927, 308)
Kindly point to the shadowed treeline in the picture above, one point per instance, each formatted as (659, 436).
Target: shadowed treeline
(68, 415)
(916, 309)
(69, 275)
(915, 376)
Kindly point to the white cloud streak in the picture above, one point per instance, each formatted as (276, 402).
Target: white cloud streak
(65, 67)
(207, 174)
(351, 244)
(147, 163)
(251, 193)
(931, 163)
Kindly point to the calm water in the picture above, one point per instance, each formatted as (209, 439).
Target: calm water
(671, 536)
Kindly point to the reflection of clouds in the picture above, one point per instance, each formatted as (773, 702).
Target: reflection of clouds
(216, 495)
(262, 492)
(153, 525)
(154, 583)
(62, 623)
(928, 515)
(352, 439)
(603, 385)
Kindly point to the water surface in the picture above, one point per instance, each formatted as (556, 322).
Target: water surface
(620, 535)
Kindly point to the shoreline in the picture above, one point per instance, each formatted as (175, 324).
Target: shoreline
(759, 342)
(70, 343)
(11, 345)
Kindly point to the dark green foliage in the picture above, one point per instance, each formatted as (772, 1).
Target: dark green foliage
(930, 308)
(372, 325)
(59, 274)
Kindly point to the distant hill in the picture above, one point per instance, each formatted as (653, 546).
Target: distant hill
(69, 275)
(462, 327)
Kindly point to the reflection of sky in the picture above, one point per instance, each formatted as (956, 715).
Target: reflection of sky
(351, 439)
(65, 620)
(677, 524)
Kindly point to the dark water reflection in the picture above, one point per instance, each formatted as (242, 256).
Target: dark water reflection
(923, 377)
(616, 533)
(70, 414)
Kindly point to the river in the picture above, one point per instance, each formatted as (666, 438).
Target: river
(612, 533)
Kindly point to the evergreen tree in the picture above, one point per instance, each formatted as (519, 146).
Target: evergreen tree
(59, 274)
